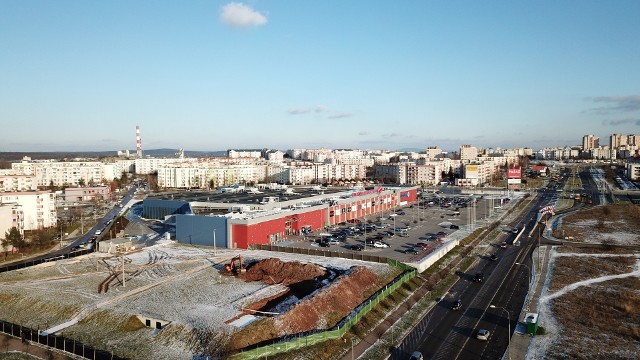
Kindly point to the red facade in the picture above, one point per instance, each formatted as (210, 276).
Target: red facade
(275, 230)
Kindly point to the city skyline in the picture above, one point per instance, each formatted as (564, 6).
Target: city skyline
(215, 75)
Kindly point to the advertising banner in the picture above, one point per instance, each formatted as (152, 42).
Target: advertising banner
(514, 173)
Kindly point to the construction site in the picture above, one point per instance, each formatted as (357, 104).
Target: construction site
(174, 301)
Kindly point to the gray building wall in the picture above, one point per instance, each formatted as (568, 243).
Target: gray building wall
(159, 209)
(198, 230)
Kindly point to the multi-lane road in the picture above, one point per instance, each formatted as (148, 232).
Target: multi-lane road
(451, 334)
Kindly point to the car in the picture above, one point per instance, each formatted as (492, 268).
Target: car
(357, 247)
(493, 257)
(380, 244)
(442, 233)
(422, 244)
(483, 334)
(416, 355)
(334, 242)
(98, 232)
(93, 238)
(478, 277)
(503, 245)
(456, 305)
(412, 250)
(323, 244)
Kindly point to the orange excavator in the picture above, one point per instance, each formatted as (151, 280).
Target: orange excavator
(235, 266)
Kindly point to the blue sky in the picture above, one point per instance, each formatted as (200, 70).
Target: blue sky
(213, 75)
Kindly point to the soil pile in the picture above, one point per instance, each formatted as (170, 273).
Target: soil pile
(322, 310)
(275, 271)
(329, 305)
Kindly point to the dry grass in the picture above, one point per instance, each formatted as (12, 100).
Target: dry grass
(594, 223)
(601, 320)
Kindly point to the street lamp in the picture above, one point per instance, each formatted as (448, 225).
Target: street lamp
(529, 283)
(509, 329)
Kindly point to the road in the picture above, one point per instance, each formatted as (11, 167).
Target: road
(450, 334)
(83, 239)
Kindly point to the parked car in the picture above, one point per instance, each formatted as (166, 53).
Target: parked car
(98, 232)
(357, 247)
(483, 334)
(456, 305)
(441, 233)
(422, 244)
(380, 244)
(478, 277)
(454, 226)
(412, 250)
(323, 244)
(493, 257)
(503, 245)
(334, 242)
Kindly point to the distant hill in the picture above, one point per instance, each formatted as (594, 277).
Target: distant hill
(16, 156)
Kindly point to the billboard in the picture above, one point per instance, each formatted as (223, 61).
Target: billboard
(513, 181)
(514, 173)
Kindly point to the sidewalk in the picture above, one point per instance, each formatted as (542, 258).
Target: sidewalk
(520, 339)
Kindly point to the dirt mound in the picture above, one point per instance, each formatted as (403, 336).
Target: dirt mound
(275, 271)
(330, 305)
(321, 311)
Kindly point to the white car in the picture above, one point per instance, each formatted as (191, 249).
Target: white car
(483, 334)
(380, 244)
(98, 232)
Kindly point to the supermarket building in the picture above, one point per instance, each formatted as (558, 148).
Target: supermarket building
(237, 218)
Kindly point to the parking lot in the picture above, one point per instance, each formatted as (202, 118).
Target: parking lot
(411, 232)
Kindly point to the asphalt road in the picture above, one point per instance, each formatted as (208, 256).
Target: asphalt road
(450, 334)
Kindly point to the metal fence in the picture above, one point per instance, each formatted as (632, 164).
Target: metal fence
(40, 260)
(59, 342)
(317, 336)
(326, 253)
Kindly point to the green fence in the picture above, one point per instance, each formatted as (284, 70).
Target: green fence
(301, 341)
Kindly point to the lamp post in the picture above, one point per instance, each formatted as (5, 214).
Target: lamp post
(508, 327)
(529, 283)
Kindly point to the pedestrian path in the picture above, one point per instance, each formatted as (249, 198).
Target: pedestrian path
(520, 340)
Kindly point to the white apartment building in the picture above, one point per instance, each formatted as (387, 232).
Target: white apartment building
(38, 208)
(433, 152)
(61, 173)
(477, 174)
(252, 153)
(633, 171)
(468, 153)
(146, 166)
(13, 183)
(411, 173)
(590, 142)
(10, 216)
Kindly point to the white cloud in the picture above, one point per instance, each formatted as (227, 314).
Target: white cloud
(317, 109)
(241, 16)
(341, 115)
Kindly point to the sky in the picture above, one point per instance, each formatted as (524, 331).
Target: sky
(216, 75)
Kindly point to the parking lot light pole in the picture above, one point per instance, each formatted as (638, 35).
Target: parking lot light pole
(508, 327)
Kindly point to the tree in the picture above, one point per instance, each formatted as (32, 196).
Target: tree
(52, 187)
(14, 238)
(124, 178)
(81, 182)
(41, 237)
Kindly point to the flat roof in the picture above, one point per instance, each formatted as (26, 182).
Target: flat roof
(245, 198)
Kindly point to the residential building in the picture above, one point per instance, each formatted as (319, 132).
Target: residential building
(38, 207)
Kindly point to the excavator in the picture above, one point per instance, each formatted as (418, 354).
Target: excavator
(235, 266)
